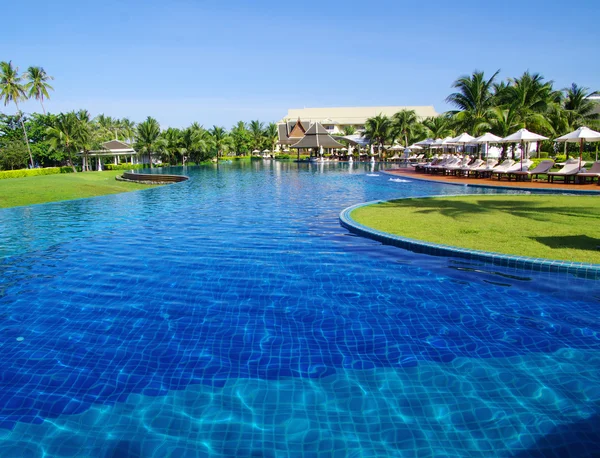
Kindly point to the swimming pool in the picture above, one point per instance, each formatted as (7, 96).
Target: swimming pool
(231, 315)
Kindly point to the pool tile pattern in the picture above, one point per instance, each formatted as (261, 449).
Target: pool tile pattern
(168, 327)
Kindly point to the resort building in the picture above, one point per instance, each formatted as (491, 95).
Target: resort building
(297, 121)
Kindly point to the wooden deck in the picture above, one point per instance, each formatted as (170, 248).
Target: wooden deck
(494, 182)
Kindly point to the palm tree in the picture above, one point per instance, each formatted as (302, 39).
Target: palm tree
(349, 130)
(220, 140)
(473, 99)
(377, 129)
(405, 124)
(38, 85)
(256, 129)
(11, 90)
(65, 134)
(147, 138)
(503, 122)
(580, 109)
(128, 129)
(240, 137)
(172, 147)
(439, 126)
(271, 136)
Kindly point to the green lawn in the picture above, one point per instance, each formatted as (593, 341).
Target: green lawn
(51, 188)
(541, 226)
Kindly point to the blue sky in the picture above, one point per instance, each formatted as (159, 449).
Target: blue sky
(219, 62)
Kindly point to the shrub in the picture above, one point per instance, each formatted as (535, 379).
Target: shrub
(126, 166)
(22, 173)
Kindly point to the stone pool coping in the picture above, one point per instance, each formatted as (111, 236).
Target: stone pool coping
(580, 269)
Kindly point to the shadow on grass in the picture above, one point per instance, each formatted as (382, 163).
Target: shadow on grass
(455, 208)
(574, 242)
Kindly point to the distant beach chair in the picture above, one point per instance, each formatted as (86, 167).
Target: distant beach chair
(542, 168)
(568, 172)
(593, 172)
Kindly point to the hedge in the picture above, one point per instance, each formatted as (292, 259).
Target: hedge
(22, 173)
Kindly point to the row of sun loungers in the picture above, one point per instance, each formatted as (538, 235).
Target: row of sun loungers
(571, 172)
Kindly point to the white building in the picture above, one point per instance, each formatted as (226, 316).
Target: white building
(336, 119)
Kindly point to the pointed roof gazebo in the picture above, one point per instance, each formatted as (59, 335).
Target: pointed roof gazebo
(111, 148)
(316, 137)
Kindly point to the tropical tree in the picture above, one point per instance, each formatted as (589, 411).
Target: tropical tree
(580, 110)
(37, 84)
(65, 134)
(503, 122)
(377, 130)
(257, 134)
(349, 130)
(438, 126)
(147, 138)
(220, 140)
(405, 124)
(531, 98)
(271, 136)
(128, 129)
(172, 144)
(240, 137)
(11, 90)
(473, 98)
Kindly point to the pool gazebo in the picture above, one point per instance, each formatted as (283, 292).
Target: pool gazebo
(112, 148)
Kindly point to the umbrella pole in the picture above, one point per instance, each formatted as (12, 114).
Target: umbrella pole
(580, 152)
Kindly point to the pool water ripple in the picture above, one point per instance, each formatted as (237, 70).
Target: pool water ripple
(230, 315)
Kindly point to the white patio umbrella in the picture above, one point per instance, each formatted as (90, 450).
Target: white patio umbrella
(415, 147)
(524, 137)
(426, 142)
(487, 138)
(463, 139)
(583, 134)
(397, 148)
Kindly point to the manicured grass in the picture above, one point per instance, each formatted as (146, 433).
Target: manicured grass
(51, 188)
(544, 226)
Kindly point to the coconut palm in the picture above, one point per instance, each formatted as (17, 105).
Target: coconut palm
(172, 147)
(503, 122)
(11, 90)
(37, 85)
(377, 130)
(271, 136)
(128, 129)
(473, 99)
(240, 137)
(65, 134)
(257, 131)
(220, 140)
(438, 126)
(147, 138)
(580, 110)
(349, 130)
(405, 124)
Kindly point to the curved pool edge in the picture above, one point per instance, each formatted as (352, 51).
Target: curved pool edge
(581, 269)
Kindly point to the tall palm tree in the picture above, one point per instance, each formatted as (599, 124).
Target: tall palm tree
(580, 109)
(172, 148)
(65, 134)
(503, 122)
(220, 140)
(37, 85)
(240, 137)
(257, 134)
(11, 90)
(438, 126)
(128, 129)
(147, 138)
(271, 136)
(377, 130)
(405, 124)
(474, 98)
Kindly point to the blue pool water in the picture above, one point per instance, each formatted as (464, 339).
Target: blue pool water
(231, 315)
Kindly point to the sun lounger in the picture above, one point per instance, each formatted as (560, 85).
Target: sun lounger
(516, 167)
(483, 168)
(499, 168)
(542, 168)
(440, 166)
(593, 172)
(471, 166)
(451, 169)
(568, 172)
